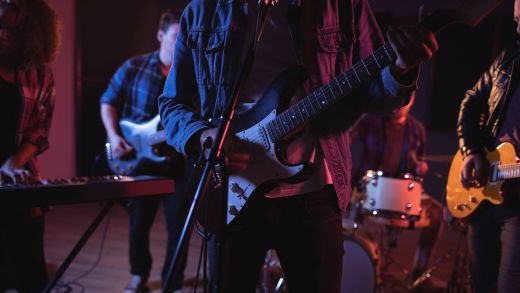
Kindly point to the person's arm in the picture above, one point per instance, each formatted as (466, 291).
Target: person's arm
(474, 107)
(396, 83)
(38, 133)
(119, 146)
(182, 121)
(421, 167)
(13, 168)
(114, 95)
(35, 139)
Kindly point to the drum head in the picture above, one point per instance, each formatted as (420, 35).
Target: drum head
(359, 269)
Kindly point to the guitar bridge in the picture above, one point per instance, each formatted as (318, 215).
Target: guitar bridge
(216, 178)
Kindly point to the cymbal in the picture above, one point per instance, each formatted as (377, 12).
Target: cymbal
(438, 158)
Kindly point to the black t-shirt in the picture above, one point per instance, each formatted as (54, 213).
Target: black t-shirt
(11, 102)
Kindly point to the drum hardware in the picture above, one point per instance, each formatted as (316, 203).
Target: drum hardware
(459, 281)
(271, 279)
(392, 236)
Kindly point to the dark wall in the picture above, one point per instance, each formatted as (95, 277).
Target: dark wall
(109, 32)
(464, 53)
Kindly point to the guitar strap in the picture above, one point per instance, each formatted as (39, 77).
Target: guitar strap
(294, 16)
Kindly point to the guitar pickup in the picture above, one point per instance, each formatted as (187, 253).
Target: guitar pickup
(494, 173)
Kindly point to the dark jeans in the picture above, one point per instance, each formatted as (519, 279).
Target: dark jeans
(142, 212)
(304, 230)
(494, 247)
(22, 257)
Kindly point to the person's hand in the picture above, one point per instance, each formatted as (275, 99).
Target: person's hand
(12, 172)
(236, 156)
(412, 46)
(421, 168)
(473, 172)
(119, 146)
(272, 2)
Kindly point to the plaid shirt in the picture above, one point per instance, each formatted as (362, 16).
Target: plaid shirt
(370, 130)
(134, 88)
(38, 96)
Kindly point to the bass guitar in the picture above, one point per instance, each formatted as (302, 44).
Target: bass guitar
(462, 201)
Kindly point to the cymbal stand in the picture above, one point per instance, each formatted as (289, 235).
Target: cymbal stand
(391, 236)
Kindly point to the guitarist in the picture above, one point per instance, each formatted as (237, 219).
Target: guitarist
(303, 221)
(132, 95)
(489, 116)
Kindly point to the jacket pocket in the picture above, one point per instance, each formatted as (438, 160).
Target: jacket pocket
(333, 40)
(208, 50)
(334, 51)
(207, 41)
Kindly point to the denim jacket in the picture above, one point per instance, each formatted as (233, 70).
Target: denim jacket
(207, 56)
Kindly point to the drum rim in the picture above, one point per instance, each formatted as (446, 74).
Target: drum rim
(399, 175)
(366, 237)
(392, 214)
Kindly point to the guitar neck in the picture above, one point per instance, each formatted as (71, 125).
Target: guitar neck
(508, 171)
(319, 100)
(361, 73)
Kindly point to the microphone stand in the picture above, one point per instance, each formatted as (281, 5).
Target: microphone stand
(215, 155)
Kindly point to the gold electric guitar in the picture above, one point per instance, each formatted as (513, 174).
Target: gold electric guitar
(462, 201)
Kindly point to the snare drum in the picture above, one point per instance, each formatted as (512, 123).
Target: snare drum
(392, 197)
(423, 221)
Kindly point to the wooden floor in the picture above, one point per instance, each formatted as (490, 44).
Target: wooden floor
(104, 266)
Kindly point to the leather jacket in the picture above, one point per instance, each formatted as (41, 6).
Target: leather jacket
(481, 111)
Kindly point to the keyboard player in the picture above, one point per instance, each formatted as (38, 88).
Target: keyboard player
(27, 94)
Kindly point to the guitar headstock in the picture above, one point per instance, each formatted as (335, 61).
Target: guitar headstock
(470, 12)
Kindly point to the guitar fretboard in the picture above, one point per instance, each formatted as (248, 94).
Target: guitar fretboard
(508, 171)
(323, 97)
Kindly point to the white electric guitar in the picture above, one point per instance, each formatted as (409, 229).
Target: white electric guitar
(265, 128)
(150, 153)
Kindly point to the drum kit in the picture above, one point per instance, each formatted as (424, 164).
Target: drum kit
(394, 202)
